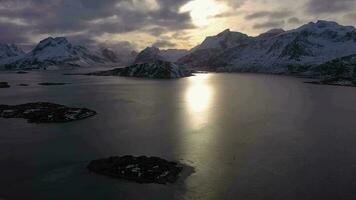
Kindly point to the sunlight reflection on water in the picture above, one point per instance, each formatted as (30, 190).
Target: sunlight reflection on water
(199, 94)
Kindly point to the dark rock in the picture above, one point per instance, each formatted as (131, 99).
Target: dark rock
(43, 112)
(22, 84)
(50, 84)
(21, 72)
(140, 169)
(4, 85)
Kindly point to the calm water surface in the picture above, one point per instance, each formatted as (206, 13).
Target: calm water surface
(249, 137)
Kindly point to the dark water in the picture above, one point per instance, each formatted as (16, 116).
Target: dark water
(249, 137)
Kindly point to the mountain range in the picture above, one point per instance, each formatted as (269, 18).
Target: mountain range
(56, 52)
(276, 51)
(297, 51)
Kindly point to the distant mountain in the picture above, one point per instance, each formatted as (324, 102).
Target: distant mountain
(110, 55)
(119, 58)
(277, 51)
(151, 54)
(57, 52)
(156, 69)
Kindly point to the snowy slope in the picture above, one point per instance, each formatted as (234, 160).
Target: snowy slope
(9, 53)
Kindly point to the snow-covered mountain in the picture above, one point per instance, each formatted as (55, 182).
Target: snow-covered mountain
(279, 51)
(151, 54)
(223, 40)
(200, 55)
(56, 52)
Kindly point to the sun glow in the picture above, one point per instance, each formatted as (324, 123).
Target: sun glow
(202, 11)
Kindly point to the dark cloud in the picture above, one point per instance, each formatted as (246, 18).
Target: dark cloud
(269, 24)
(329, 6)
(270, 14)
(12, 33)
(156, 31)
(96, 17)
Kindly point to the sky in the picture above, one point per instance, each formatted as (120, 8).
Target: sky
(135, 24)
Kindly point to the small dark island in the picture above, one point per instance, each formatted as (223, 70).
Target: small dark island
(4, 85)
(23, 84)
(140, 169)
(44, 112)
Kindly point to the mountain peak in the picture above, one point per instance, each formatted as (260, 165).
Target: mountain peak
(226, 31)
(51, 42)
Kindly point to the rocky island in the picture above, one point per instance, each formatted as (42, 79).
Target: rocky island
(44, 112)
(140, 169)
(157, 69)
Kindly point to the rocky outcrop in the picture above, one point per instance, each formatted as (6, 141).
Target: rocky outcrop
(44, 112)
(140, 169)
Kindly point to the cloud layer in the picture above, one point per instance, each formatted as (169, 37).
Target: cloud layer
(138, 23)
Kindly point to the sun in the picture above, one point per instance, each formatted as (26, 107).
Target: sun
(202, 11)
